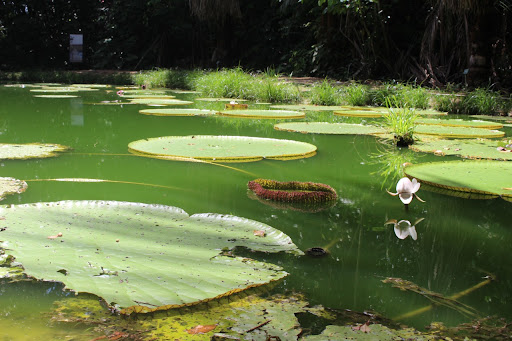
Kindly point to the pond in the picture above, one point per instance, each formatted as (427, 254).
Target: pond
(459, 241)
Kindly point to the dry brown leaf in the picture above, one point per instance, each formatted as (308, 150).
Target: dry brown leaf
(201, 329)
(259, 233)
(365, 328)
(57, 236)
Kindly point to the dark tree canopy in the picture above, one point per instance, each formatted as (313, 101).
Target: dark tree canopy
(434, 42)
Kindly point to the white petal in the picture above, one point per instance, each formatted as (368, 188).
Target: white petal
(401, 234)
(404, 185)
(406, 198)
(415, 186)
(412, 232)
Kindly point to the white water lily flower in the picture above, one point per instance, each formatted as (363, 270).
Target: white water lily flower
(404, 228)
(406, 190)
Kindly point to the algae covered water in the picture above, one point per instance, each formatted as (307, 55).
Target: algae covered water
(462, 246)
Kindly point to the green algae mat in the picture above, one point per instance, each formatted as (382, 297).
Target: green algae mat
(460, 123)
(329, 128)
(271, 114)
(456, 132)
(483, 177)
(222, 148)
(139, 257)
(177, 112)
(471, 149)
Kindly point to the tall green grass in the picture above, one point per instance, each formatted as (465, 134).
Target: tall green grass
(357, 94)
(166, 78)
(325, 93)
(400, 121)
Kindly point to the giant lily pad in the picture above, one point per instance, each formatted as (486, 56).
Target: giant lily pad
(456, 132)
(484, 177)
(56, 90)
(329, 128)
(11, 186)
(293, 191)
(220, 99)
(30, 150)
(460, 123)
(371, 332)
(359, 113)
(145, 96)
(222, 148)
(275, 114)
(308, 107)
(492, 117)
(139, 257)
(177, 112)
(150, 101)
(473, 149)
(56, 96)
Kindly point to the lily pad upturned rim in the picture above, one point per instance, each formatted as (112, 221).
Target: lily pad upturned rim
(450, 175)
(306, 150)
(265, 114)
(292, 191)
(9, 186)
(359, 113)
(329, 128)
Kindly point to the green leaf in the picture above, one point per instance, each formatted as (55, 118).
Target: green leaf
(484, 177)
(139, 257)
(222, 148)
(329, 128)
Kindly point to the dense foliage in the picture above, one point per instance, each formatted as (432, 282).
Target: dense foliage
(436, 42)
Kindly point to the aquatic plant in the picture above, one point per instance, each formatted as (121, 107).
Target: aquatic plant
(406, 190)
(404, 228)
(292, 191)
(401, 122)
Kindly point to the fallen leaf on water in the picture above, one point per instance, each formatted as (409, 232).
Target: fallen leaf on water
(365, 328)
(57, 236)
(259, 233)
(508, 188)
(200, 329)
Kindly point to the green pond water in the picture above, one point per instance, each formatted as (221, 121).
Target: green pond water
(460, 241)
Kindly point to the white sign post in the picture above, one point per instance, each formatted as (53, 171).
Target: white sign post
(76, 48)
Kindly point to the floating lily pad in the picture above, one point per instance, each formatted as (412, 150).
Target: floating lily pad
(30, 150)
(308, 107)
(492, 117)
(90, 85)
(177, 91)
(292, 191)
(144, 92)
(10, 186)
(219, 99)
(129, 97)
(329, 128)
(459, 123)
(359, 113)
(177, 112)
(55, 90)
(56, 96)
(151, 101)
(430, 112)
(273, 114)
(222, 148)
(473, 149)
(117, 250)
(484, 177)
(457, 132)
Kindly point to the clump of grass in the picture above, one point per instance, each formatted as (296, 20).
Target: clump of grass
(400, 121)
(235, 83)
(166, 78)
(481, 102)
(357, 95)
(449, 103)
(411, 96)
(325, 93)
